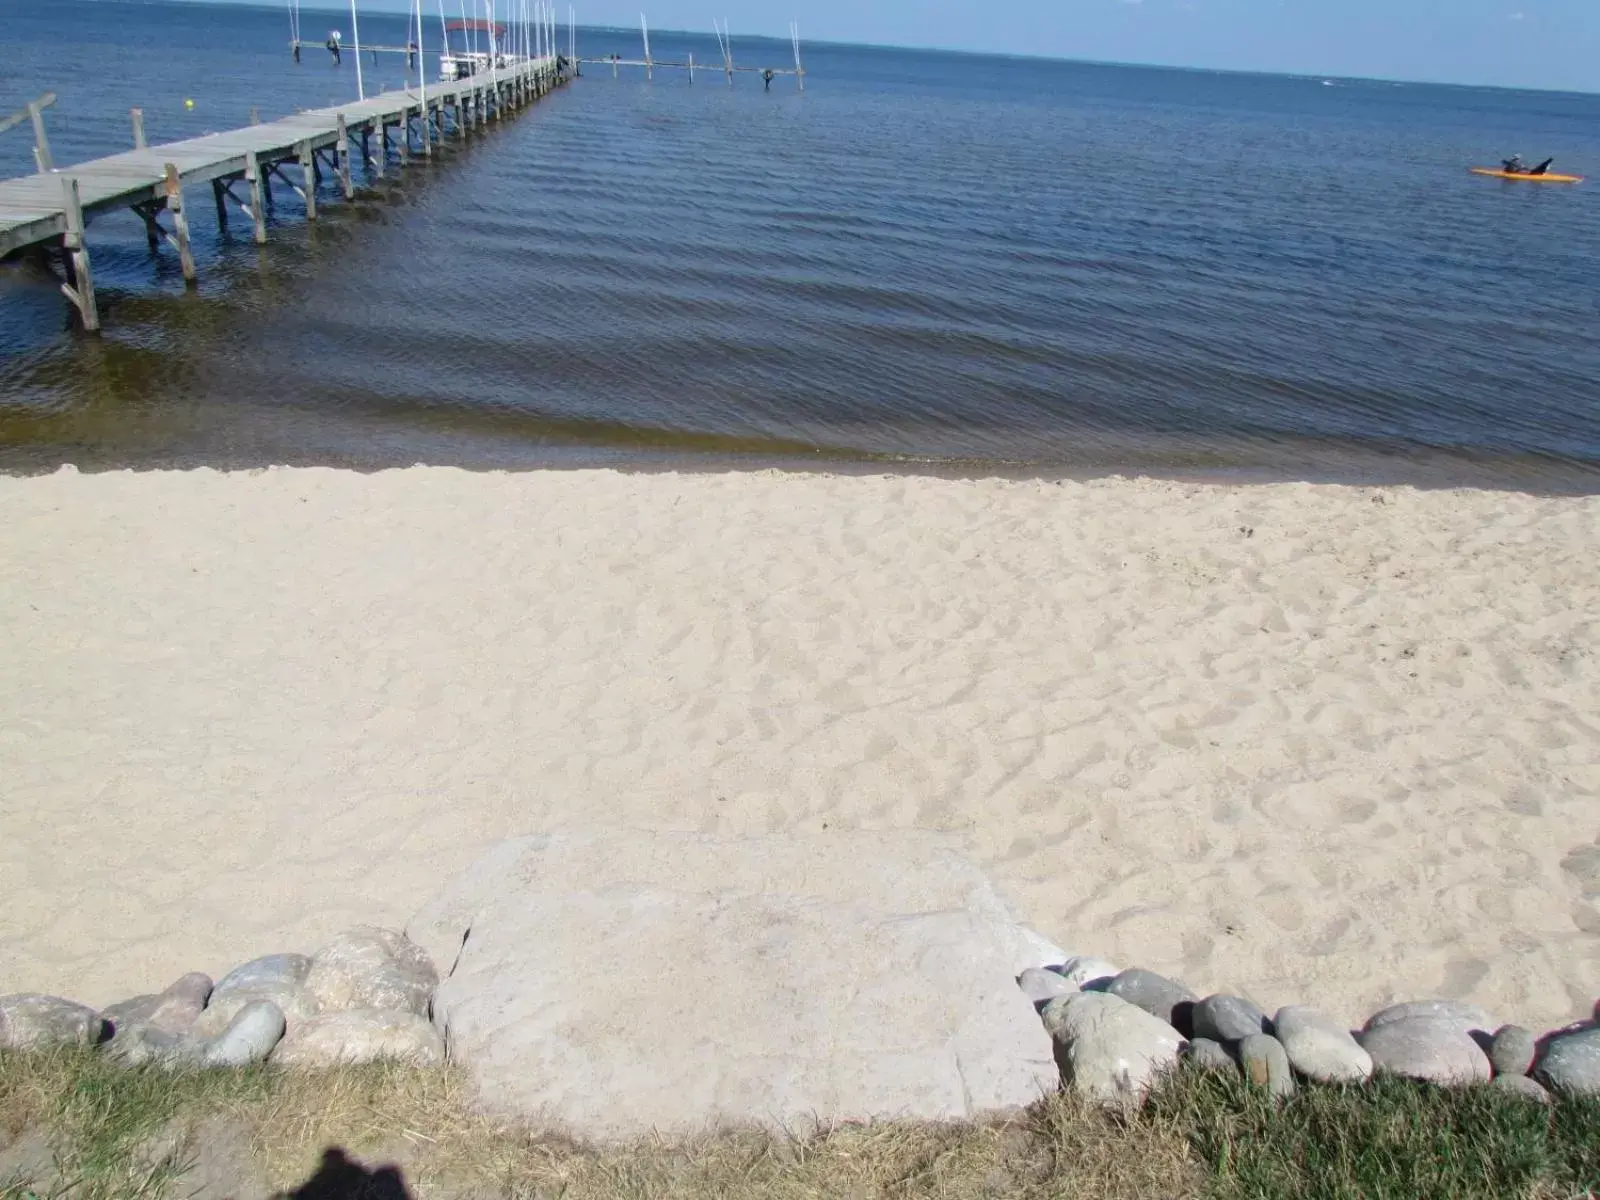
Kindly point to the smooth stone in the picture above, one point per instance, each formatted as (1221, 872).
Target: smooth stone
(249, 1037)
(270, 969)
(1521, 1085)
(29, 1021)
(1082, 970)
(1042, 986)
(138, 1044)
(368, 967)
(1165, 999)
(1319, 1047)
(1265, 1064)
(294, 1001)
(1110, 1051)
(787, 981)
(1513, 1049)
(1225, 1018)
(1209, 1055)
(1433, 1049)
(360, 1035)
(174, 1010)
(279, 978)
(1571, 1062)
(1467, 1017)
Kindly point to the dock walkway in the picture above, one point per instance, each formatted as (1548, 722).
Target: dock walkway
(50, 209)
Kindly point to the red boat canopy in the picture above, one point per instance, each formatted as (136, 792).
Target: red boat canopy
(475, 26)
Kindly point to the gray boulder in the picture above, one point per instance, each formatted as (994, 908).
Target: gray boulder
(1110, 1051)
(1081, 970)
(1521, 1085)
(249, 1037)
(1265, 1065)
(1163, 998)
(1571, 1062)
(279, 978)
(1227, 1019)
(173, 1011)
(1466, 1017)
(1319, 1047)
(136, 1045)
(1512, 1051)
(368, 967)
(1042, 986)
(781, 981)
(360, 1035)
(1435, 1049)
(1209, 1055)
(29, 1021)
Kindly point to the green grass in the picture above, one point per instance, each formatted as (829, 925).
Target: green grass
(1390, 1139)
(121, 1134)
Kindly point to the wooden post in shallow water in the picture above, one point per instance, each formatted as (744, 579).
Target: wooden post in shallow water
(308, 168)
(137, 115)
(258, 208)
(81, 290)
(342, 157)
(180, 222)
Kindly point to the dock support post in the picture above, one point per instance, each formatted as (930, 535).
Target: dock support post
(342, 157)
(308, 167)
(180, 222)
(426, 131)
(137, 114)
(380, 159)
(258, 208)
(41, 144)
(81, 293)
(219, 193)
(405, 137)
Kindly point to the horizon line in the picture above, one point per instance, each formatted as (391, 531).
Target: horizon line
(1019, 55)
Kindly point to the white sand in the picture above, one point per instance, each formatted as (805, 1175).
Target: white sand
(1353, 757)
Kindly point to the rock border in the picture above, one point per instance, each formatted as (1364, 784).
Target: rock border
(1116, 1031)
(368, 995)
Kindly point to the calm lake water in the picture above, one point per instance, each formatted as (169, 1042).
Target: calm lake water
(961, 262)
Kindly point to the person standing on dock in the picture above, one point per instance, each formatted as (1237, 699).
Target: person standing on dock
(334, 38)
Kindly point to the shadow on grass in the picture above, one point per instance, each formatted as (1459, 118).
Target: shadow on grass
(338, 1177)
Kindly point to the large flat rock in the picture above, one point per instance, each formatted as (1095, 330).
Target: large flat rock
(613, 985)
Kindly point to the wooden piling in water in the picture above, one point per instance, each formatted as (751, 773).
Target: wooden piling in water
(308, 169)
(81, 289)
(342, 156)
(258, 208)
(180, 223)
(137, 116)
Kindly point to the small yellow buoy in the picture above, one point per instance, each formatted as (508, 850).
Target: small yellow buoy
(188, 103)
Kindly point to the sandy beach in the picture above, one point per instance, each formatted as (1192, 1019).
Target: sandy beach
(1305, 742)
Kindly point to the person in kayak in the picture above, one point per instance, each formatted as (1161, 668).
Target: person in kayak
(1514, 166)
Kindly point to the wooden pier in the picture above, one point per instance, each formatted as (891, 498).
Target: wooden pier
(51, 210)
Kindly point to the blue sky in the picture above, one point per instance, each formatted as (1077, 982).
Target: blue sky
(1514, 43)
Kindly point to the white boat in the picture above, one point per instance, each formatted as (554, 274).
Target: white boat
(460, 64)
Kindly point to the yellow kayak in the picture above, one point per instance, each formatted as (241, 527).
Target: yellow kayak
(1496, 173)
